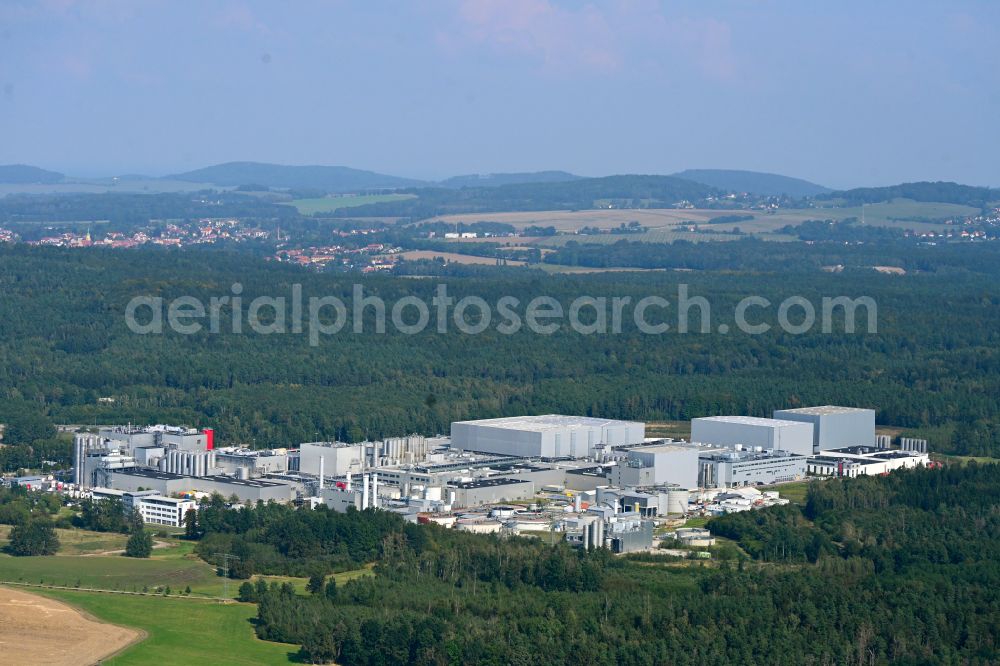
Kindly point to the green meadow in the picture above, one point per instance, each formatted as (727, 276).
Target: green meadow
(181, 631)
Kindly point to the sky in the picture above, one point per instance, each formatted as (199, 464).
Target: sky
(841, 93)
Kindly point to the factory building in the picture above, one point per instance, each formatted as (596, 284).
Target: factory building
(628, 534)
(674, 463)
(491, 491)
(344, 495)
(118, 448)
(754, 433)
(620, 534)
(338, 458)
(549, 436)
(250, 464)
(165, 483)
(647, 502)
(863, 460)
(834, 427)
(726, 469)
(586, 531)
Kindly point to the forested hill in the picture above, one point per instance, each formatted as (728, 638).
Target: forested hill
(756, 182)
(497, 179)
(943, 192)
(617, 191)
(22, 174)
(327, 178)
(64, 346)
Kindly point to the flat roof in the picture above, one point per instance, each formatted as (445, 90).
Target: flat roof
(546, 422)
(751, 420)
(826, 410)
(167, 476)
(487, 483)
(852, 461)
(666, 448)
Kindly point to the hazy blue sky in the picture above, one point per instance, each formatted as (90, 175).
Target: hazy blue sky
(842, 93)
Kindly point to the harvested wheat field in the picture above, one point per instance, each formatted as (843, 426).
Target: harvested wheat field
(36, 630)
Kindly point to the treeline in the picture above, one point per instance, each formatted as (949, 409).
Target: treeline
(945, 192)
(33, 518)
(279, 539)
(755, 255)
(30, 441)
(908, 522)
(123, 210)
(847, 231)
(861, 589)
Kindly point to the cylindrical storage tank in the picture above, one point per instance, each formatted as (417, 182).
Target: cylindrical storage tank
(677, 500)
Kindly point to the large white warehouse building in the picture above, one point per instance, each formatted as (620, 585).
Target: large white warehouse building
(752, 432)
(548, 436)
(835, 427)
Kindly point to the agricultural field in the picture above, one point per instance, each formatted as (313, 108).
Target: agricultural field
(899, 213)
(39, 630)
(568, 221)
(652, 236)
(668, 225)
(181, 631)
(330, 204)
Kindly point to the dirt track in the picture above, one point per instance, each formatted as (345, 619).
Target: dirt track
(37, 630)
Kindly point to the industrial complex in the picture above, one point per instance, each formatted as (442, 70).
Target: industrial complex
(596, 482)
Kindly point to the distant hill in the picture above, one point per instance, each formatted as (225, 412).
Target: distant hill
(22, 174)
(942, 192)
(329, 178)
(498, 179)
(767, 184)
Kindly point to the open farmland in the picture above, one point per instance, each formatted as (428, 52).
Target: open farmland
(330, 204)
(652, 236)
(668, 225)
(38, 630)
(574, 220)
(899, 214)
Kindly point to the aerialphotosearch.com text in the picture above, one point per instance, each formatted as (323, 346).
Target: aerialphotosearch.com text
(319, 317)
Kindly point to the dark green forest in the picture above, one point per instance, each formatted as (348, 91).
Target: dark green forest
(64, 345)
(901, 569)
